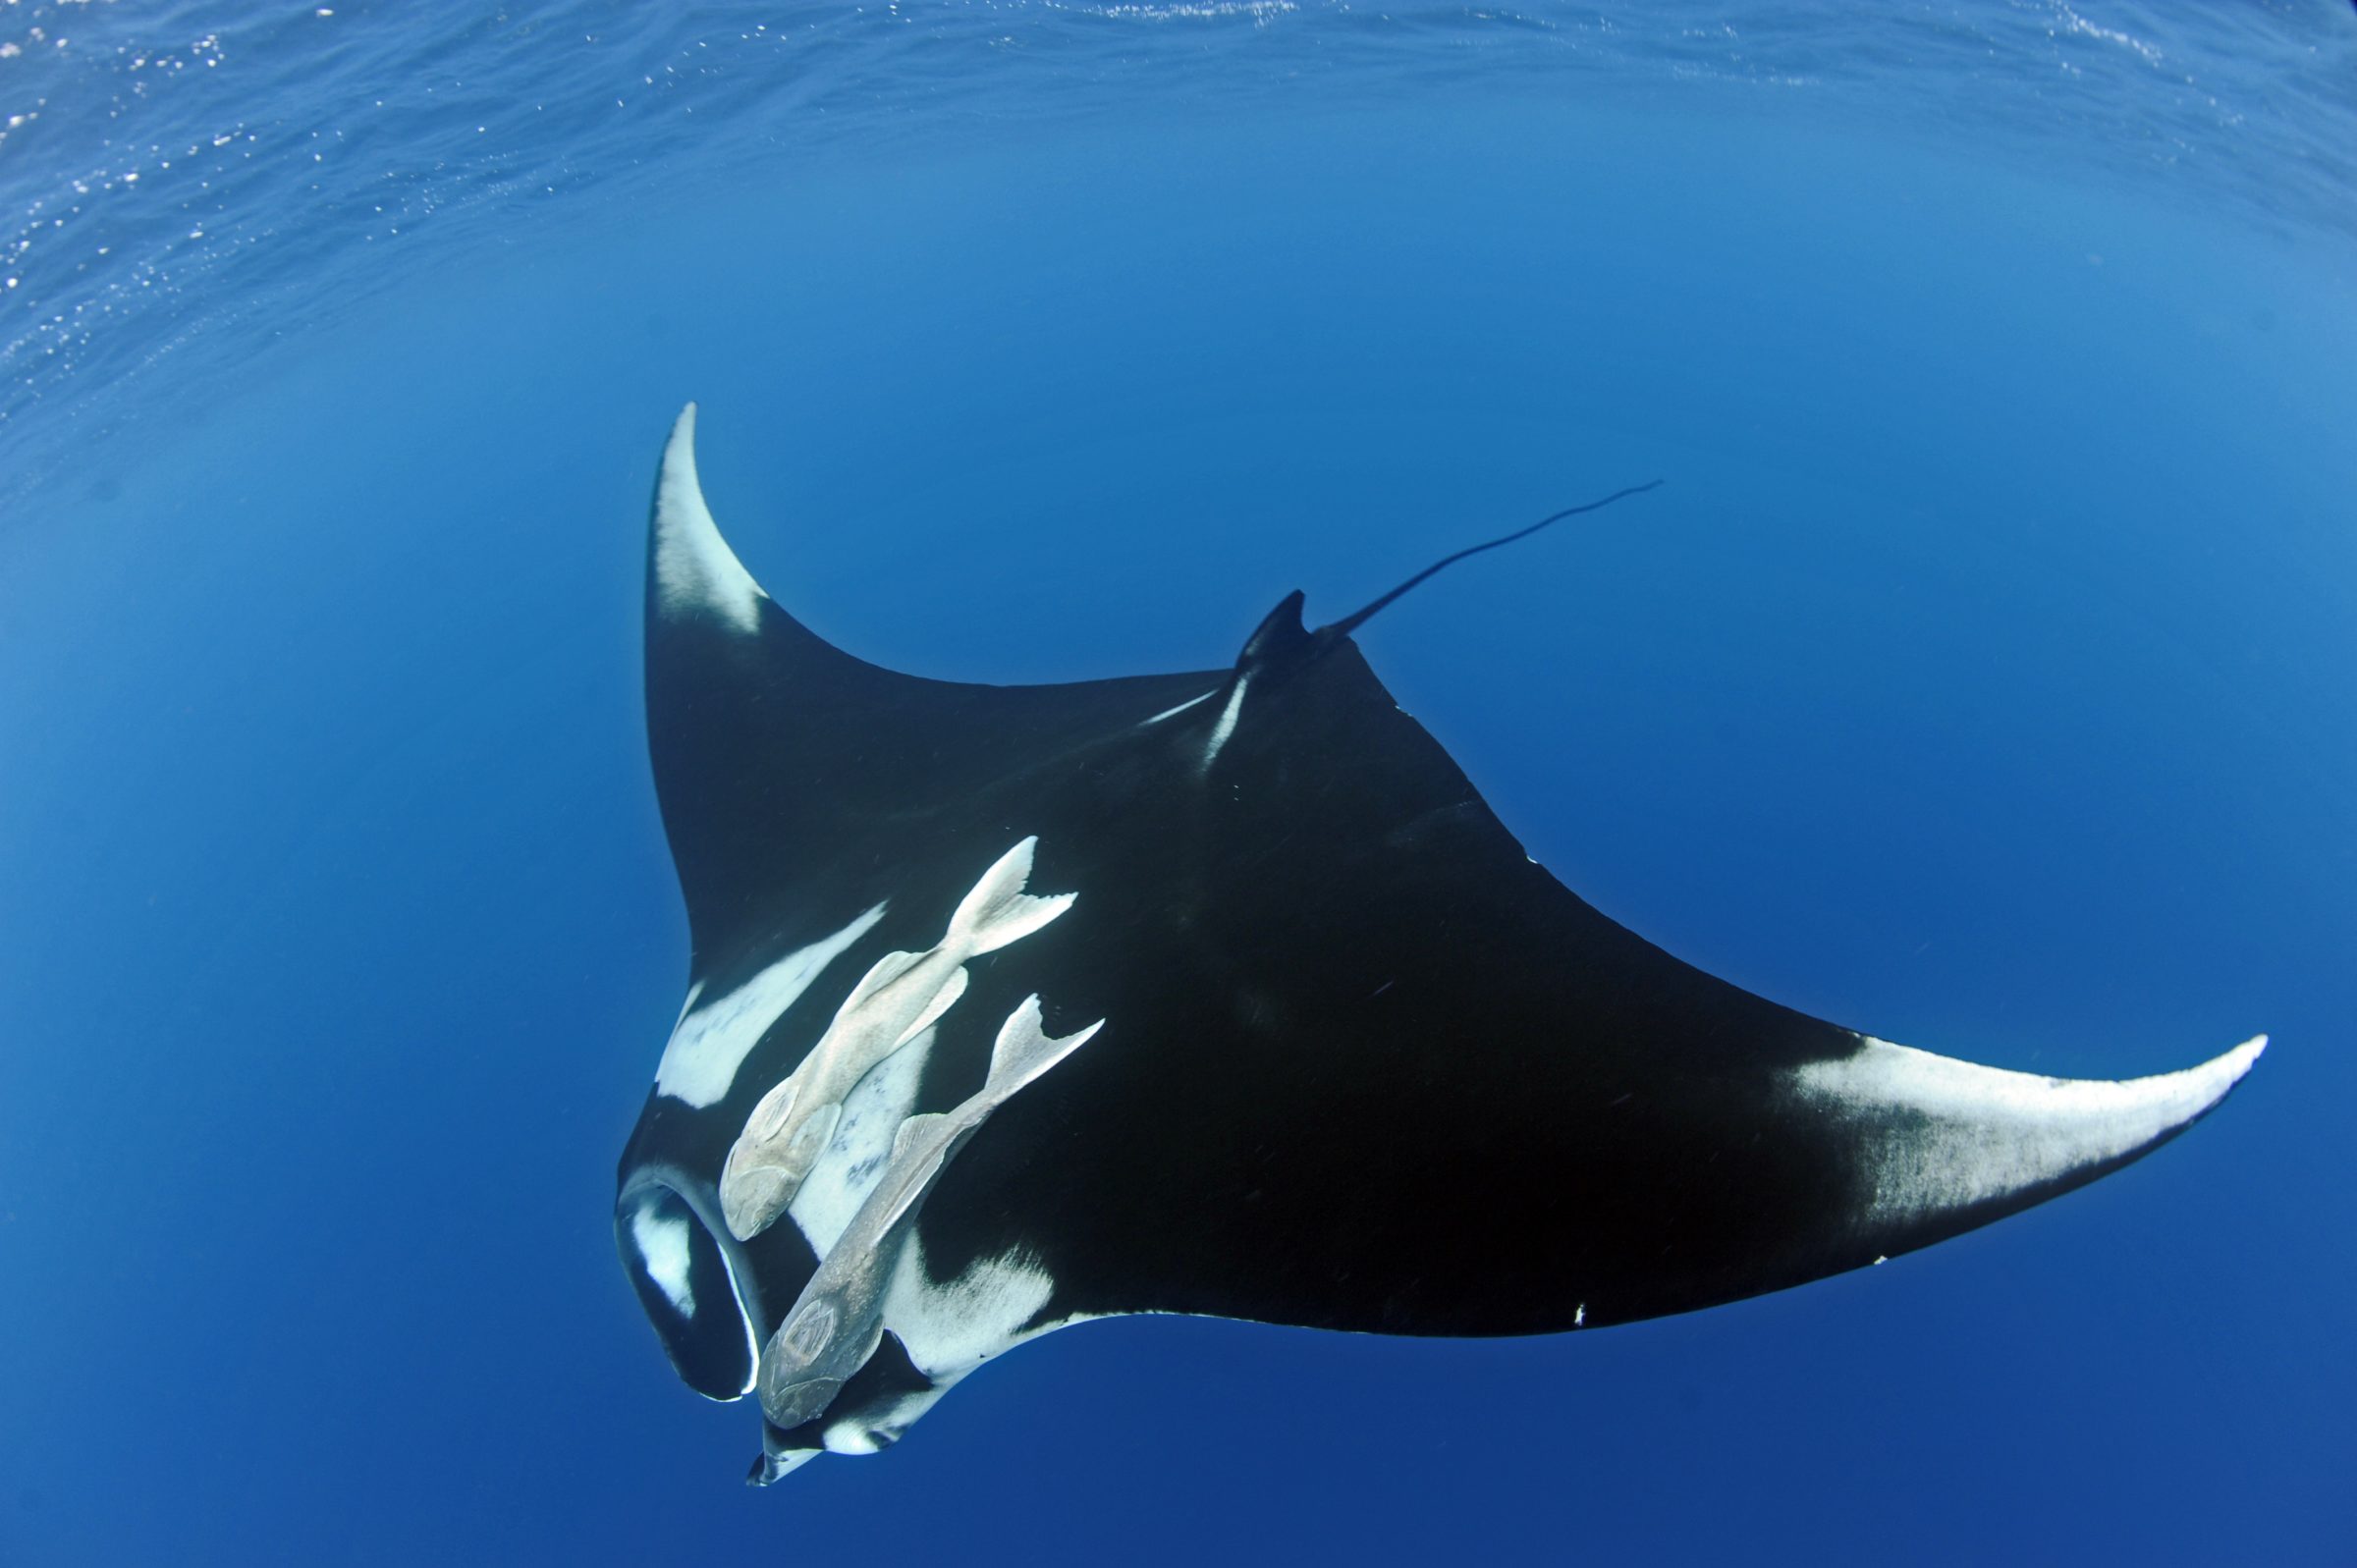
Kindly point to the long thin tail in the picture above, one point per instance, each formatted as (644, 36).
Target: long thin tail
(1352, 622)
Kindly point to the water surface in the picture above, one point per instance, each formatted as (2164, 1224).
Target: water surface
(1979, 677)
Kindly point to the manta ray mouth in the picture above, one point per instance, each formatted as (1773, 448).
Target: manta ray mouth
(687, 1272)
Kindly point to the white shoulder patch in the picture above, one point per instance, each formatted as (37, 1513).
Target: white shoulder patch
(1943, 1134)
(694, 567)
(952, 1328)
(713, 1037)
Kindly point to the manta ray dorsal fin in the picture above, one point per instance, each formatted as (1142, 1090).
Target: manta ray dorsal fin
(1277, 648)
(1277, 640)
(1943, 1140)
(696, 572)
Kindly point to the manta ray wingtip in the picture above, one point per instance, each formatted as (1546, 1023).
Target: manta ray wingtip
(678, 454)
(2205, 1084)
(691, 566)
(679, 457)
(2201, 1088)
(1945, 1145)
(2233, 1064)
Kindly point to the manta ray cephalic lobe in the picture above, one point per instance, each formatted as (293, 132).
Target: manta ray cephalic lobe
(1217, 992)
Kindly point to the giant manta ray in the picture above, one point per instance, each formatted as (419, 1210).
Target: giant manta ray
(1217, 992)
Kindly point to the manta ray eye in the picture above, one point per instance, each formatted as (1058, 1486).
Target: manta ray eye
(682, 1275)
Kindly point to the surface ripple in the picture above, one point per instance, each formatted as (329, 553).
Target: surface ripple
(189, 180)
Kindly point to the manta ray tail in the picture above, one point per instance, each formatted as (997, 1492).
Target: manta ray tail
(1023, 1050)
(1359, 618)
(998, 912)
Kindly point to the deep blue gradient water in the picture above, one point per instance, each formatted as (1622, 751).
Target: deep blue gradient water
(1982, 676)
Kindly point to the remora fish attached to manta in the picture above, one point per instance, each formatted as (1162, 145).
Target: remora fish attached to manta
(1363, 1064)
(837, 1323)
(901, 997)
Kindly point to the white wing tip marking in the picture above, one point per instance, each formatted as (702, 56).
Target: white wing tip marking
(694, 567)
(2239, 1061)
(1969, 1133)
(948, 1328)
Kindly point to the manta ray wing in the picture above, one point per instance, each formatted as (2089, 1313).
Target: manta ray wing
(1364, 1065)
(770, 745)
(1371, 1069)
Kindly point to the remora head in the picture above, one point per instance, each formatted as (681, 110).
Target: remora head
(762, 1173)
(792, 1403)
(798, 1376)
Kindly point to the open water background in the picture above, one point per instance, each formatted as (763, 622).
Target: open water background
(1981, 677)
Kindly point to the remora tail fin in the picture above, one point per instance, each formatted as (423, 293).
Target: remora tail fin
(1023, 1051)
(998, 912)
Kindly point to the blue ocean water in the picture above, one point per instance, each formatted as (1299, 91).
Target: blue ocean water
(1981, 676)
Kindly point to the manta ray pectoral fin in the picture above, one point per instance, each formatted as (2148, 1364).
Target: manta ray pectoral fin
(1937, 1145)
(761, 732)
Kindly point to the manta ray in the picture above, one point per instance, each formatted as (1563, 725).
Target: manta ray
(1218, 993)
